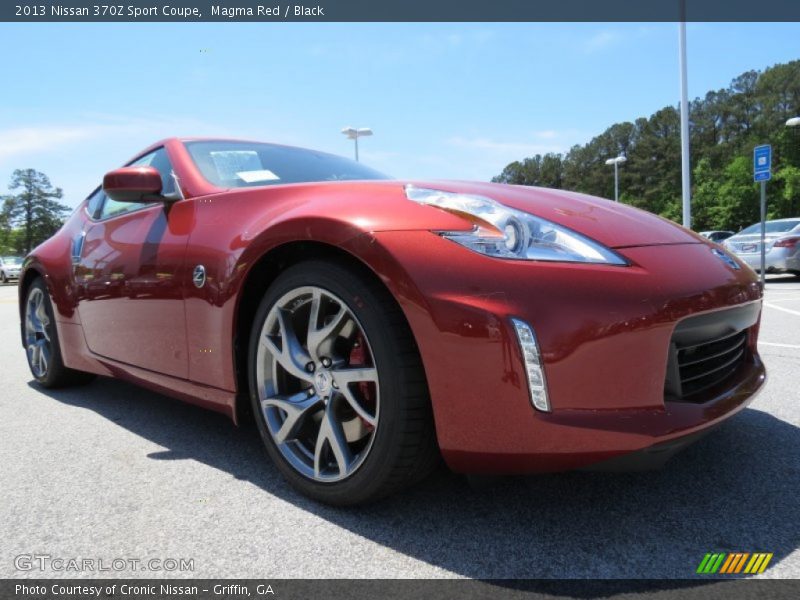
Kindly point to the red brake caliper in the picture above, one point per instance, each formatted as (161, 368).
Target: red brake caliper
(358, 358)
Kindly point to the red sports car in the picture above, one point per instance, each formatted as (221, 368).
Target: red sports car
(373, 325)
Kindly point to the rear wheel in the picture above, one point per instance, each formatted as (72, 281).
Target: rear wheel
(337, 386)
(41, 342)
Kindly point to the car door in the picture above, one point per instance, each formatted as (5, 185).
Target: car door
(129, 277)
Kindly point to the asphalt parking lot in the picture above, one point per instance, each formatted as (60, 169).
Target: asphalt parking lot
(113, 471)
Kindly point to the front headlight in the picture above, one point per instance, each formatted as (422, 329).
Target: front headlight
(504, 232)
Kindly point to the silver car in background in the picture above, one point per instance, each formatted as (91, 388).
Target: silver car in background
(782, 246)
(9, 268)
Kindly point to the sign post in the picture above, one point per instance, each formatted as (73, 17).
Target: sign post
(762, 172)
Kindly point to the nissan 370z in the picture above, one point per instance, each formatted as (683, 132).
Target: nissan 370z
(374, 326)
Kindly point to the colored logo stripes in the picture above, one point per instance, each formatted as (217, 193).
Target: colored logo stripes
(734, 562)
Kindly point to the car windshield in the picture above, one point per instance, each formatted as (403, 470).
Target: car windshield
(12, 260)
(772, 227)
(248, 164)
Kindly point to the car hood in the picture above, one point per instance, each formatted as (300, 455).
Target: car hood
(613, 224)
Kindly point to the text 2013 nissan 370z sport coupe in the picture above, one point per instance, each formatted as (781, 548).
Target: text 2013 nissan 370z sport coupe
(374, 325)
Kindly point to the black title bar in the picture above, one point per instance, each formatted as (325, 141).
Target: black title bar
(399, 10)
(391, 589)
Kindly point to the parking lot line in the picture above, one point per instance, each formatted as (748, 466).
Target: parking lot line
(782, 308)
(760, 343)
(786, 299)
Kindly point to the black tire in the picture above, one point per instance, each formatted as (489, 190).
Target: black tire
(4, 279)
(56, 374)
(404, 448)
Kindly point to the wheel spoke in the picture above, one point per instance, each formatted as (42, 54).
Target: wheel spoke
(43, 356)
(313, 319)
(30, 329)
(37, 338)
(33, 356)
(345, 377)
(330, 431)
(291, 356)
(319, 338)
(41, 314)
(44, 323)
(33, 318)
(297, 408)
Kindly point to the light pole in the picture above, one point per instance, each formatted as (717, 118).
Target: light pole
(616, 162)
(353, 134)
(686, 182)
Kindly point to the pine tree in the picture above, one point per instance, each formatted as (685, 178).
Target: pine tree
(34, 209)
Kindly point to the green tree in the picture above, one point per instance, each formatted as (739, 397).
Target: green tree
(706, 194)
(738, 202)
(545, 171)
(34, 209)
(6, 233)
(788, 203)
(725, 126)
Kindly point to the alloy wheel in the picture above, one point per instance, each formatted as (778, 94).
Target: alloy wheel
(37, 336)
(318, 385)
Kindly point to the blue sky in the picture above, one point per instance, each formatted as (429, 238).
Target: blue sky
(455, 101)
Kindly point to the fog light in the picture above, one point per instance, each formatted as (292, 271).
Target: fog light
(533, 365)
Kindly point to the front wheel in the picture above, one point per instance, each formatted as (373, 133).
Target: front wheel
(337, 386)
(41, 342)
(3, 277)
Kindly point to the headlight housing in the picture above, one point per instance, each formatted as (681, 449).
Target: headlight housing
(504, 232)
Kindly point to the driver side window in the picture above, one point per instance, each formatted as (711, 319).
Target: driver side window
(157, 159)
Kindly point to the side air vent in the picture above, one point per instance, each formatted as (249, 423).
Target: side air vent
(706, 351)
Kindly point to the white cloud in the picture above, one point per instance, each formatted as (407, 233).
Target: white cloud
(601, 40)
(76, 153)
(546, 134)
(480, 157)
(26, 140)
(49, 138)
(516, 148)
(457, 39)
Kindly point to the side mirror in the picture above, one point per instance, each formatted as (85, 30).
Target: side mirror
(133, 184)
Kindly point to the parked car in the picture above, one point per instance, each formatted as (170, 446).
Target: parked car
(782, 241)
(10, 267)
(373, 326)
(716, 236)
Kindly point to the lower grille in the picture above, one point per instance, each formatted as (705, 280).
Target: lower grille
(706, 351)
(705, 365)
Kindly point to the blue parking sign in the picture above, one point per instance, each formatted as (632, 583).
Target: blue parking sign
(762, 163)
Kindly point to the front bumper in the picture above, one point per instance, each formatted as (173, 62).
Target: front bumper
(12, 274)
(604, 333)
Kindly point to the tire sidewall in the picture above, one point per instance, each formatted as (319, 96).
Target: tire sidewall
(366, 306)
(55, 367)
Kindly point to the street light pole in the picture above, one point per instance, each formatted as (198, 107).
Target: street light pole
(793, 122)
(685, 162)
(353, 134)
(616, 162)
